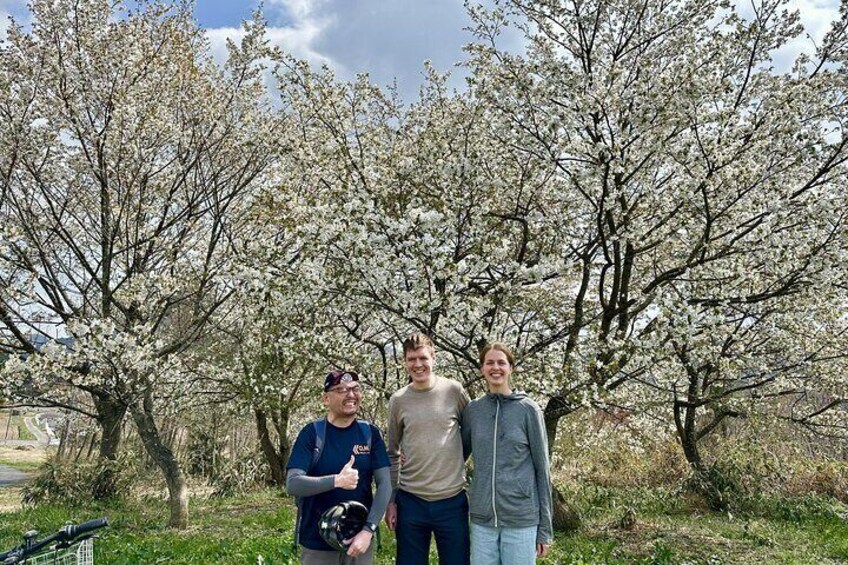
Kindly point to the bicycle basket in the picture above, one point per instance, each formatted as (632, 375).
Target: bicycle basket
(81, 553)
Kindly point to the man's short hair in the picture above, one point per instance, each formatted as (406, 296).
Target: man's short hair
(417, 341)
(497, 346)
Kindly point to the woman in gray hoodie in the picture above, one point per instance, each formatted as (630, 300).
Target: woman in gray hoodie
(510, 502)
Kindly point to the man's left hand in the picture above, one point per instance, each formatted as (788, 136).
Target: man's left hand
(359, 543)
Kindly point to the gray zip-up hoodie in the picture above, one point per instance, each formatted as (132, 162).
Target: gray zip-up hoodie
(512, 481)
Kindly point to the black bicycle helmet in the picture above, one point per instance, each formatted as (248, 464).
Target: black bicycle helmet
(341, 522)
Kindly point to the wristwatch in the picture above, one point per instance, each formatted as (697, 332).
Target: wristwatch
(370, 527)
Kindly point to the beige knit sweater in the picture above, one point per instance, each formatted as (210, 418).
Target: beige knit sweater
(424, 424)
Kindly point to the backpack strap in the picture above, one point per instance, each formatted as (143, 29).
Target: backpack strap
(365, 428)
(320, 427)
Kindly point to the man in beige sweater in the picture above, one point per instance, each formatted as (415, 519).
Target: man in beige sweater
(429, 487)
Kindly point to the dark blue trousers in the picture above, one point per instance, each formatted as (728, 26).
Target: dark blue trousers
(446, 519)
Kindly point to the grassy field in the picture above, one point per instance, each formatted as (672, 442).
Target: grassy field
(9, 425)
(23, 458)
(13, 427)
(667, 529)
(23, 431)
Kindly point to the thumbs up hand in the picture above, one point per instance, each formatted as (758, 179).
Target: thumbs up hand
(348, 477)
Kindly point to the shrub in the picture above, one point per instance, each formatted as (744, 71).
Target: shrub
(721, 484)
(239, 477)
(617, 457)
(828, 478)
(204, 457)
(75, 483)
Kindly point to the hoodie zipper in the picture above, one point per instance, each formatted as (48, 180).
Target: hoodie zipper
(495, 457)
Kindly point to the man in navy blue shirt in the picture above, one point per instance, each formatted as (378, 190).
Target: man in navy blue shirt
(349, 460)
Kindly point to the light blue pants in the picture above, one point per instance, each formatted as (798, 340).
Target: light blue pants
(503, 546)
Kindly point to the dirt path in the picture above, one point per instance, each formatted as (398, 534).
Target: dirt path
(10, 476)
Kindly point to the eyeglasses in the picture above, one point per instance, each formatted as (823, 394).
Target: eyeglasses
(344, 390)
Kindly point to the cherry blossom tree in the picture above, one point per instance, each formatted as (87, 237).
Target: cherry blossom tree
(132, 158)
(703, 186)
(273, 345)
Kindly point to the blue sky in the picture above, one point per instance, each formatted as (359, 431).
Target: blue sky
(389, 39)
(221, 13)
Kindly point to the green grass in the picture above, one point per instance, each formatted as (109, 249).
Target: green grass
(223, 531)
(23, 431)
(669, 529)
(672, 527)
(25, 466)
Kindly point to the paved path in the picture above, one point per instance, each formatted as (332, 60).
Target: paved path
(31, 442)
(41, 438)
(35, 430)
(10, 476)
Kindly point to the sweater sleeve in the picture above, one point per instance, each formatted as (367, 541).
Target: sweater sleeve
(539, 452)
(464, 399)
(465, 431)
(394, 435)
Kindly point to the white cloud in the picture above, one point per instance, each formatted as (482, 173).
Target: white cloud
(218, 41)
(816, 17)
(4, 24)
(298, 9)
(296, 41)
(299, 42)
(388, 39)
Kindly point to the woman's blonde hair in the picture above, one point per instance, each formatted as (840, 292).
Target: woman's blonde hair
(497, 346)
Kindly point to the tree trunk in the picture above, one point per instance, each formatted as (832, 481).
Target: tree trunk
(566, 518)
(702, 481)
(63, 440)
(689, 442)
(110, 419)
(213, 469)
(164, 458)
(80, 449)
(91, 443)
(685, 421)
(275, 459)
(281, 425)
